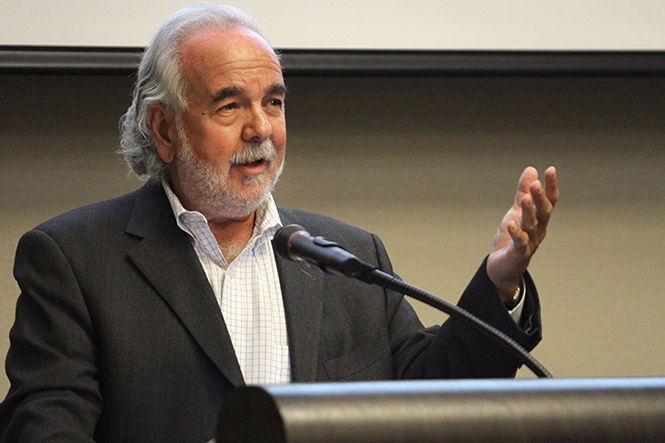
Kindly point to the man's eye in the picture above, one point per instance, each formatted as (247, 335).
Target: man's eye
(228, 107)
(276, 102)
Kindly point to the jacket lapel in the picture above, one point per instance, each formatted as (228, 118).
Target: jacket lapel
(302, 292)
(166, 258)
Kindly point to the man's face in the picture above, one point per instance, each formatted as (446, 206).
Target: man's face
(231, 138)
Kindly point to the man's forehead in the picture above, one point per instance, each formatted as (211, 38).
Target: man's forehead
(239, 46)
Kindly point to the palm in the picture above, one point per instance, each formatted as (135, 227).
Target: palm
(522, 230)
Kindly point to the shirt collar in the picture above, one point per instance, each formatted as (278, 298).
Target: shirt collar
(266, 223)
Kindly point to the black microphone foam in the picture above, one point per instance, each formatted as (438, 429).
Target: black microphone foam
(283, 237)
(294, 243)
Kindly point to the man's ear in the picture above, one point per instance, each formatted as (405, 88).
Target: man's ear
(163, 127)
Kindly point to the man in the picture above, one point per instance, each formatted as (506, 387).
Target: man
(138, 315)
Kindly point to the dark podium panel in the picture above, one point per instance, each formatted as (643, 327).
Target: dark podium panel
(543, 410)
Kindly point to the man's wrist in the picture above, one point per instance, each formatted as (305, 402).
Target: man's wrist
(516, 297)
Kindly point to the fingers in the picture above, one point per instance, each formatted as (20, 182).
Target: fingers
(520, 236)
(530, 218)
(542, 204)
(528, 176)
(551, 186)
(545, 198)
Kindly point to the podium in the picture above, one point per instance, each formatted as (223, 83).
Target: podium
(542, 410)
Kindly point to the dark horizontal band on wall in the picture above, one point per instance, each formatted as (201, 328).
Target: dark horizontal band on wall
(307, 62)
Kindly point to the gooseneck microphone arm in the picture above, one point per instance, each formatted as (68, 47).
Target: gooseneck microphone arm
(293, 242)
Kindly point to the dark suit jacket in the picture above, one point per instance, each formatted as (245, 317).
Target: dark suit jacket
(118, 336)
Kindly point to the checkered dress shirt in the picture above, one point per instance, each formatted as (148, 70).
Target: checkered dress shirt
(247, 291)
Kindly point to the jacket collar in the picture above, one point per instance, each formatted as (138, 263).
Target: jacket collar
(168, 261)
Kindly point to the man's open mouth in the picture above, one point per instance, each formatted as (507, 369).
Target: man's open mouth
(257, 162)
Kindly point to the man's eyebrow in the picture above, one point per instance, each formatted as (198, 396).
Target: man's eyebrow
(231, 91)
(234, 91)
(277, 89)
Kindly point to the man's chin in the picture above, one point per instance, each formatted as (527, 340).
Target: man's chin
(242, 197)
(237, 212)
(241, 205)
(253, 180)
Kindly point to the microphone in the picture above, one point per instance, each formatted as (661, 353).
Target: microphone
(294, 243)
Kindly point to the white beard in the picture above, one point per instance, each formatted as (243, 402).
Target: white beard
(207, 188)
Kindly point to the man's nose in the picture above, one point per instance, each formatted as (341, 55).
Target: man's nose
(257, 127)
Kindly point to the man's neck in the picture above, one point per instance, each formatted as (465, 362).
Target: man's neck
(233, 235)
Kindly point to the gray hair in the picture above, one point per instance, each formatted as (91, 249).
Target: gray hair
(160, 80)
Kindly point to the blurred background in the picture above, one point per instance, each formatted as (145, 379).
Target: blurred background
(430, 164)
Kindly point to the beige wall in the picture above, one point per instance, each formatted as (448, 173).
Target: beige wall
(368, 24)
(429, 164)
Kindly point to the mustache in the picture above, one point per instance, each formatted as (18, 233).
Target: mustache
(264, 150)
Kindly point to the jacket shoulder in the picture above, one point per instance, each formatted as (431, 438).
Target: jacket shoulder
(317, 224)
(97, 216)
(360, 242)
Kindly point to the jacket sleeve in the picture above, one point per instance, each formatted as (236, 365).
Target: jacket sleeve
(462, 351)
(455, 349)
(51, 364)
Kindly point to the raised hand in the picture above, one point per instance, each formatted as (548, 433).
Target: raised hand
(522, 230)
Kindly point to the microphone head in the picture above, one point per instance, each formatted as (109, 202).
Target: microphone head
(283, 237)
